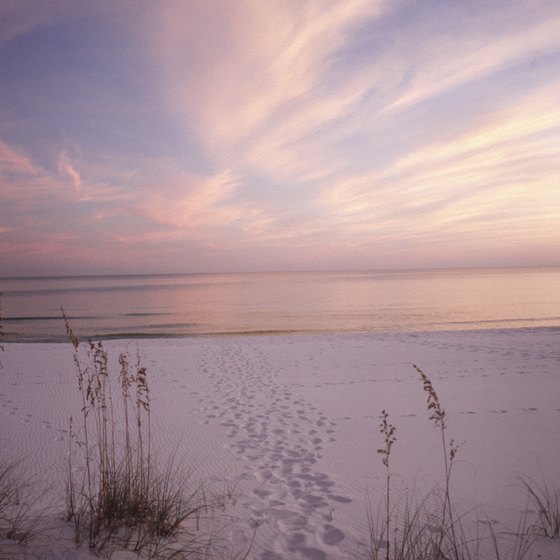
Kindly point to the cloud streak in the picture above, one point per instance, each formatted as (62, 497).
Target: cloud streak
(65, 167)
(240, 136)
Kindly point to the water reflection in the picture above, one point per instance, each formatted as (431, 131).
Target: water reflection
(281, 302)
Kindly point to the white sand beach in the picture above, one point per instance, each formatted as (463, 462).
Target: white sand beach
(290, 425)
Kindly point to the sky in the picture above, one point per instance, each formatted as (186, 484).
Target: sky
(263, 135)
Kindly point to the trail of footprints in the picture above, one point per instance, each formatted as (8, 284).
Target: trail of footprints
(9, 408)
(281, 436)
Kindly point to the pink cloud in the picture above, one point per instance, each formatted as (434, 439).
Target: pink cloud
(13, 161)
(65, 167)
(191, 202)
(247, 64)
(450, 61)
(493, 183)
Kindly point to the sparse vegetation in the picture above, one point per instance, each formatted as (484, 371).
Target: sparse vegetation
(388, 430)
(123, 497)
(429, 529)
(16, 523)
(546, 500)
(449, 452)
(424, 530)
(523, 540)
(1, 330)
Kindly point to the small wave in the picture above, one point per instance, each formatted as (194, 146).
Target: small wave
(509, 321)
(145, 314)
(45, 318)
(25, 319)
(12, 337)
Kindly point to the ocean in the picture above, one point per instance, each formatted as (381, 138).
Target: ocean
(278, 303)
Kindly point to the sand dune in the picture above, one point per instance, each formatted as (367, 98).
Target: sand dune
(290, 425)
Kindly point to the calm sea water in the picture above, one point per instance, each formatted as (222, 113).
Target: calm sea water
(182, 305)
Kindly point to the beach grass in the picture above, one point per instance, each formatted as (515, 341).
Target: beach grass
(424, 529)
(124, 497)
(430, 528)
(1, 330)
(546, 500)
(17, 522)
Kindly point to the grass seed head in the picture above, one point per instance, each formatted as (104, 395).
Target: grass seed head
(434, 405)
(388, 430)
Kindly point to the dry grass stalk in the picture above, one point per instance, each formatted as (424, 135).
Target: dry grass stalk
(76, 511)
(546, 500)
(430, 529)
(422, 531)
(1, 326)
(449, 453)
(122, 497)
(388, 431)
(16, 522)
(523, 540)
(1, 331)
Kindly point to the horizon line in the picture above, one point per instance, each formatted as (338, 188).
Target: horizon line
(294, 271)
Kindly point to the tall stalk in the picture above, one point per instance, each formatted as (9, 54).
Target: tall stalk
(449, 452)
(85, 394)
(126, 382)
(142, 406)
(388, 430)
(1, 329)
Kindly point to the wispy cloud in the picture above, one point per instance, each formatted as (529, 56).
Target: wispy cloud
(236, 73)
(191, 202)
(67, 168)
(500, 176)
(11, 161)
(444, 63)
(295, 132)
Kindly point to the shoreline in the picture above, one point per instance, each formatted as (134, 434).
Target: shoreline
(126, 337)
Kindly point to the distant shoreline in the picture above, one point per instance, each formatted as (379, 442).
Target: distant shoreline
(280, 303)
(287, 272)
(284, 333)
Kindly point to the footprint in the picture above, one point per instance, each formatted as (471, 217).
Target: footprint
(296, 541)
(269, 555)
(331, 535)
(339, 499)
(313, 553)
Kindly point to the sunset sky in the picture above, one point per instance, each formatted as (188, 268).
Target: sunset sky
(211, 136)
